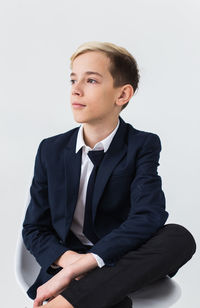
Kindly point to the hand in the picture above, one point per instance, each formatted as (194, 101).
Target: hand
(60, 281)
(58, 301)
(68, 258)
(52, 287)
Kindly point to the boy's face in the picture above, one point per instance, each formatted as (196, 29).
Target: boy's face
(94, 91)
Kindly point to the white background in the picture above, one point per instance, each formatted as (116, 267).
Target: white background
(37, 39)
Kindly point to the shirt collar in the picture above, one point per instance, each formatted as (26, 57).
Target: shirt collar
(101, 145)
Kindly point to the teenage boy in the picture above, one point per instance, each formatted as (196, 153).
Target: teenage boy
(96, 219)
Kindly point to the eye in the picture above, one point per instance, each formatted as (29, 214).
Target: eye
(72, 81)
(91, 80)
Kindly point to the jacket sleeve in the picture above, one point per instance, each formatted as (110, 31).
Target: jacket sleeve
(147, 212)
(38, 234)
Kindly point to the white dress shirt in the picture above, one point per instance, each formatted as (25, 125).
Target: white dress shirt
(86, 169)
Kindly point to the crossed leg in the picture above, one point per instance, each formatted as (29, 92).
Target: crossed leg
(169, 249)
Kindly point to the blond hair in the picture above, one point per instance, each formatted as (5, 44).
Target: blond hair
(123, 67)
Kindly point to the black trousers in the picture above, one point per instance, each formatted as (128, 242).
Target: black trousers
(168, 250)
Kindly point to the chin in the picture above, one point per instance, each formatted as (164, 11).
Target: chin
(84, 119)
(79, 119)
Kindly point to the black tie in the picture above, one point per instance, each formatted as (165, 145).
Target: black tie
(96, 158)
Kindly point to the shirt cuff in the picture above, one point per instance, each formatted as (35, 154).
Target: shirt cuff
(100, 261)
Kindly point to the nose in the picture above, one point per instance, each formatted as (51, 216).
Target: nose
(77, 89)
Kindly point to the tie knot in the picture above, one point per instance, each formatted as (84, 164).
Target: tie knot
(96, 157)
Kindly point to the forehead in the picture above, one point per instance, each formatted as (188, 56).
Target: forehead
(91, 61)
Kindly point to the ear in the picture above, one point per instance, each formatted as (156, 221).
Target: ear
(124, 95)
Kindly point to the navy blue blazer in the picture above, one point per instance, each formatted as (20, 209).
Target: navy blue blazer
(128, 201)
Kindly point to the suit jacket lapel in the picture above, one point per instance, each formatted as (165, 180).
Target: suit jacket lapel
(72, 176)
(114, 154)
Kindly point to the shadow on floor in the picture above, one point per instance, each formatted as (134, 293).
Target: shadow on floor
(160, 294)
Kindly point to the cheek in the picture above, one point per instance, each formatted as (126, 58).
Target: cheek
(96, 98)
(108, 99)
(101, 100)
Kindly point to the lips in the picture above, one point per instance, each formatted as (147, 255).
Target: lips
(77, 104)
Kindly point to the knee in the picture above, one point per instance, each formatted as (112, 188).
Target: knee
(184, 237)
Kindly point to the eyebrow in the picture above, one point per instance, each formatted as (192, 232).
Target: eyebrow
(88, 73)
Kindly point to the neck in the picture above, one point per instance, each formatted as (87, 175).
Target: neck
(93, 133)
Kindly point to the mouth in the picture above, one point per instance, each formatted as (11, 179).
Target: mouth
(78, 105)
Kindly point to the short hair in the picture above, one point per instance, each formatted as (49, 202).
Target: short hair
(123, 67)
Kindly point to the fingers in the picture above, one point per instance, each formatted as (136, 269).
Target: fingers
(41, 296)
(51, 288)
(50, 299)
(37, 304)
